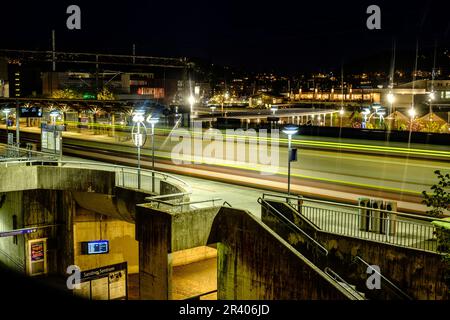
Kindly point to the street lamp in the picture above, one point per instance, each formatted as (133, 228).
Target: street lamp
(412, 113)
(390, 98)
(273, 109)
(341, 114)
(191, 101)
(290, 131)
(138, 138)
(153, 122)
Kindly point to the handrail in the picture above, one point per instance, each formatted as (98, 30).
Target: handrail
(312, 224)
(227, 204)
(338, 279)
(20, 265)
(400, 214)
(151, 198)
(399, 291)
(197, 297)
(184, 203)
(293, 225)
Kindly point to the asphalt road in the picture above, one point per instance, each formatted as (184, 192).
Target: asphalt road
(336, 168)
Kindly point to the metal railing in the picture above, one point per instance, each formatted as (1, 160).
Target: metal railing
(395, 289)
(341, 282)
(293, 226)
(12, 153)
(179, 205)
(20, 266)
(126, 177)
(397, 228)
(198, 296)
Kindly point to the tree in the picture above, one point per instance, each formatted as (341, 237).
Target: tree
(105, 94)
(439, 200)
(66, 94)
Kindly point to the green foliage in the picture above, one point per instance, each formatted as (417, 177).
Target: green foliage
(439, 200)
(105, 94)
(66, 94)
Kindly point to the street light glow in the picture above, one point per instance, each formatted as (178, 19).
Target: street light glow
(290, 131)
(191, 100)
(152, 120)
(412, 112)
(138, 117)
(390, 98)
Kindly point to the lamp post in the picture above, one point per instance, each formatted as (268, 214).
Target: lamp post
(391, 100)
(341, 114)
(191, 101)
(289, 131)
(153, 122)
(138, 139)
(412, 114)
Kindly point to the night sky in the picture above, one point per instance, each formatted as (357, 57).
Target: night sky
(279, 35)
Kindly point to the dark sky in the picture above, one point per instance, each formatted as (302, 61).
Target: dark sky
(278, 34)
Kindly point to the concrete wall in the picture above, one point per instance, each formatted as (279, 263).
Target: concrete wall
(12, 255)
(153, 231)
(192, 228)
(121, 205)
(255, 263)
(45, 208)
(418, 273)
(90, 226)
(21, 177)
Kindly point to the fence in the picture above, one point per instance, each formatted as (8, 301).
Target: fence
(407, 230)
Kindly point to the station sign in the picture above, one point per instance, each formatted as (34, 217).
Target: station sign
(104, 283)
(17, 232)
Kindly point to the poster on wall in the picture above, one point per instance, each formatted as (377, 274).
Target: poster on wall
(104, 283)
(37, 251)
(37, 257)
(117, 285)
(99, 289)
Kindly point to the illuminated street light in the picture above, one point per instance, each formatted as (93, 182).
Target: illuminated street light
(290, 131)
(191, 101)
(153, 121)
(412, 113)
(432, 96)
(139, 138)
(390, 98)
(273, 109)
(341, 112)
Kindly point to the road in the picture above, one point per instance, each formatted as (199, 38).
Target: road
(347, 173)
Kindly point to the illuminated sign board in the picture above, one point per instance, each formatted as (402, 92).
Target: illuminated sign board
(17, 232)
(95, 247)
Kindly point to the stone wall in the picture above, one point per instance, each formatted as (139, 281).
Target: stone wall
(255, 263)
